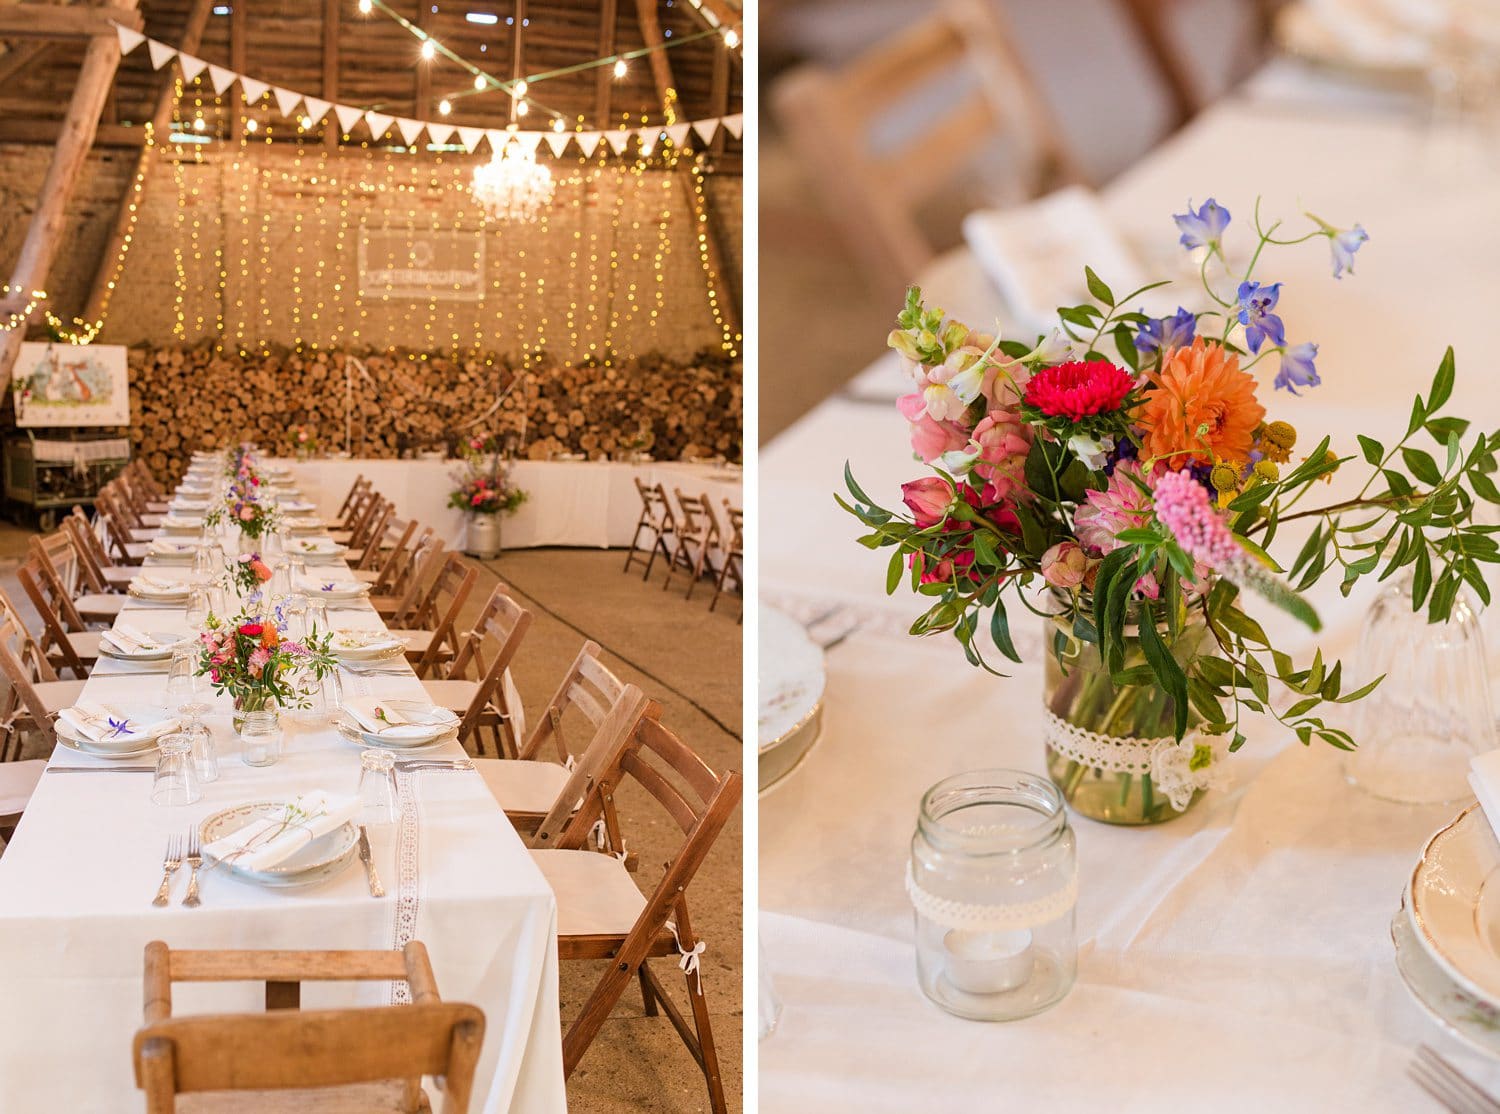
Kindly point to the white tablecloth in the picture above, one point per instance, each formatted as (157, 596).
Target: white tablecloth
(569, 503)
(1237, 959)
(77, 881)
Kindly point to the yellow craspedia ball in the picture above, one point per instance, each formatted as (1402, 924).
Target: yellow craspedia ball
(1280, 434)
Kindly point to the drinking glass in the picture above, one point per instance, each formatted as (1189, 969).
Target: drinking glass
(321, 696)
(182, 677)
(205, 752)
(199, 606)
(176, 781)
(205, 567)
(377, 787)
(260, 739)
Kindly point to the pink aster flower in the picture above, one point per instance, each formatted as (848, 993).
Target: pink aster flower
(1184, 507)
(1118, 507)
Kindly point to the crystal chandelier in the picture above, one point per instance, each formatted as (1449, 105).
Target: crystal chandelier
(512, 186)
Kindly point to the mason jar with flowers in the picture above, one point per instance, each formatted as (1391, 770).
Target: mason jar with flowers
(484, 492)
(250, 659)
(1131, 501)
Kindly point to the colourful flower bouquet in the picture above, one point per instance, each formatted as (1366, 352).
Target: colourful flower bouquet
(252, 661)
(242, 506)
(1143, 494)
(247, 573)
(483, 486)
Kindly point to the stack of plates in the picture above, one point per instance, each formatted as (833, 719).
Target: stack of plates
(335, 589)
(147, 724)
(367, 645)
(321, 859)
(1447, 932)
(417, 725)
(112, 645)
(145, 587)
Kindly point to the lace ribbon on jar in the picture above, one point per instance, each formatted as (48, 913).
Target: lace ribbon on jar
(1178, 769)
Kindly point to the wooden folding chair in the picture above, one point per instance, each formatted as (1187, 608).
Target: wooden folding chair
(483, 704)
(734, 558)
(93, 562)
(119, 539)
(146, 512)
(393, 555)
(141, 476)
(60, 569)
(369, 1059)
(656, 520)
(405, 610)
(878, 176)
(65, 641)
(433, 645)
(364, 543)
(697, 536)
(356, 490)
(349, 527)
(527, 787)
(602, 913)
(36, 695)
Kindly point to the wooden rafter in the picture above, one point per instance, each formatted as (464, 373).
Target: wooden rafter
(238, 41)
(19, 57)
(161, 121)
(44, 234)
(605, 78)
(50, 21)
(330, 32)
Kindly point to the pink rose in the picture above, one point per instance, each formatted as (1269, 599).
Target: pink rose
(247, 514)
(1002, 442)
(478, 498)
(930, 439)
(943, 570)
(1065, 565)
(928, 500)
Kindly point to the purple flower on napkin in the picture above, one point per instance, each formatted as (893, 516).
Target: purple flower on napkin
(328, 587)
(118, 726)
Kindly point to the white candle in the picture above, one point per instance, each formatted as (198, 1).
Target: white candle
(988, 962)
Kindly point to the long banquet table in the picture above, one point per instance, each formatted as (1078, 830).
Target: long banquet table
(1238, 958)
(587, 503)
(77, 880)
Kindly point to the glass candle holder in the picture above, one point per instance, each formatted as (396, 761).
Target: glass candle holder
(260, 739)
(993, 881)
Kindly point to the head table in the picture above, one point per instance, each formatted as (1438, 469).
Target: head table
(76, 885)
(1235, 959)
(584, 503)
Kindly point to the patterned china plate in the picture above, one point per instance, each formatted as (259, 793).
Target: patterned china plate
(351, 732)
(178, 596)
(791, 695)
(319, 860)
(1472, 1020)
(1454, 897)
(66, 737)
(167, 642)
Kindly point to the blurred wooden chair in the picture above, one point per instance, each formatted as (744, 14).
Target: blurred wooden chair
(697, 537)
(120, 539)
(602, 913)
(485, 703)
(367, 1060)
(875, 184)
(435, 642)
(364, 539)
(99, 573)
(61, 570)
(66, 642)
(734, 558)
(656, 521)
(35, 693)
(393, 554)
(404, 610)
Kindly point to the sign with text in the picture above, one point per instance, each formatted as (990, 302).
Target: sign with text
(421, 264)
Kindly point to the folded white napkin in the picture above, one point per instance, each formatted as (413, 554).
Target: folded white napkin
(399, 719)
(148, 585)
(118, 724)
(165, 547)
(273, 839)
(1484, 779)
(372, 640)
(319, 546)
(293, 506)
(191, 521)
(128, 639)
(315, 586)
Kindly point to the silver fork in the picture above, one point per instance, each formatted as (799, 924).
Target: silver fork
(194, 860)
(169, 865)
(1451, 1087)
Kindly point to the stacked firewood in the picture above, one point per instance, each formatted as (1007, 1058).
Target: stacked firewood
(406, 403)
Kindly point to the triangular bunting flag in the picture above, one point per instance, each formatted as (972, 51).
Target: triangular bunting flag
(348, 116)
(409, 130)
(439, 134)
(706, 129)
(286, 99)
(528, 141)
(316, 109)
(222, 79)
(161, 53)
(558, 141)
(191, 67)
(470, 137)
(735, 124)
(618, 141)
(379, 123)
(588, 143)
(129, 39)
(252, 89)
(678, 134)
(497, 139)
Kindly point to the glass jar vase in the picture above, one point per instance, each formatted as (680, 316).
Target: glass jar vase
(1106, 742)
(993, 881)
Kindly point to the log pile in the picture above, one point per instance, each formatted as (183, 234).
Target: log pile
(182, 399)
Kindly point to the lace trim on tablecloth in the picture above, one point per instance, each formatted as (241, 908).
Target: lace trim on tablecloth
(408, 851)
(973, 917)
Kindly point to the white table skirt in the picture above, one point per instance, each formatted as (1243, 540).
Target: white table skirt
(569, 503)
(1237, 959)
(75, 914)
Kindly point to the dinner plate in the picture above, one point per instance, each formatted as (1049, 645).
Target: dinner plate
(167, 642)
(319, 547)
(320, 590)
(304, 525)
(348, 645)
(319, 860)
(1454, 897)
(1470, 1019)
(791, 695)
(158, 596)
(351, 732)
(70, 739)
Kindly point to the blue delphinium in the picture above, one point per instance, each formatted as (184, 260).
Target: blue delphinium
(1203, 227)
(1297, 368)
(1161, 333)
(1256, 301)
(1344, 245)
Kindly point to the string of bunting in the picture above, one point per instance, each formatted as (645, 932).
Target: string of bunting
(315, 109)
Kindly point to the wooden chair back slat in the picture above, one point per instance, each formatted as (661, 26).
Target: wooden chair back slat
(54, 643)
(490, 648)
(628, 710)
(586, 669)
(450, 592)
(59, 594)
(428, 559)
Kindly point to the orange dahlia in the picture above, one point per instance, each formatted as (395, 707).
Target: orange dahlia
(1199, 407)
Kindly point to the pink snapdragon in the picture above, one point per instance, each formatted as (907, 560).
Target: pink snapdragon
(1002, 441)
(1184, 507)
(930, 439)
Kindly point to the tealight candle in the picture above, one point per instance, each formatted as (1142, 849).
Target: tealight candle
(988, 962)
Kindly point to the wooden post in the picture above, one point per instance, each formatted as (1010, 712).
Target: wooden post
(331, 126)
(237, 41)
(161, 121)
(605, 78)
(516, 47)
(422, 97)
(44, 235)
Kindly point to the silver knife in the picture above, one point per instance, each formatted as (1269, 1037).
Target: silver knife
(376, 889)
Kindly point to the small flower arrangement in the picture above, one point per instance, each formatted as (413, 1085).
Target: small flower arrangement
(483, 486)
(248, 573)
(304, 440)
(252, 660)
(243, 507)
(1143, 490)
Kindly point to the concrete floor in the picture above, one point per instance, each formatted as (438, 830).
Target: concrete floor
(687, 659)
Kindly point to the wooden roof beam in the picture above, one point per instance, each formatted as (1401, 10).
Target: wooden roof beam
(19, 57)
(50, 21)
(330, 70)
(604, 77)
